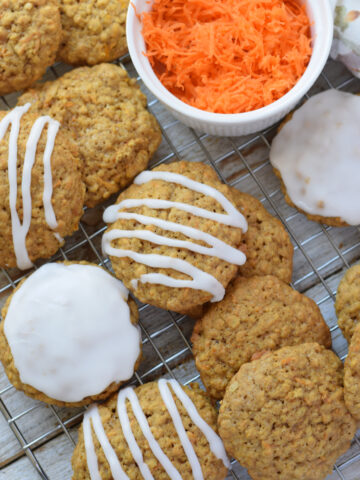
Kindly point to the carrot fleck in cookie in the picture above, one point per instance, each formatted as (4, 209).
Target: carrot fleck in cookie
(347, 303)
(283, 415)
(174, 236)
(60, 344)
(268, 247)
(93, 31)
(41, 189)
(257, 314)
(105, 112)
(30, 32)
(159, 430)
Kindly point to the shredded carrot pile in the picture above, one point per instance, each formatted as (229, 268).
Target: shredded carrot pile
(227, 56)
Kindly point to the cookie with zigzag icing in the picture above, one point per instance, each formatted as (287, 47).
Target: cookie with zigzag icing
(158, 431)
(174, 236)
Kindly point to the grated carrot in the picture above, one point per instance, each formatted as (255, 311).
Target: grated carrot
(227, 56)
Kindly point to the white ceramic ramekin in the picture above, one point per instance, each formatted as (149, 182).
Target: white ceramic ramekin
(320, 14)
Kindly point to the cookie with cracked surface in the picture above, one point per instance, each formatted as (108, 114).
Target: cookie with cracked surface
(93, 31)
(41, 189)
(60, 344)
(30, 32)
(268, 247)
(352, 375)
(174, 236)
(257, 314)
(347, 304)
(105, 112)
(159, 430)
(284, 416)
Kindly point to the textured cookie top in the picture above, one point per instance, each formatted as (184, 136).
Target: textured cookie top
(347, 303)
(62, 345)
(30, 32)
(283, 416)
(159, 430)
(352, 375)
(105, 112)
(174, 236)
(93, 31)
(325, 126)
(268, 247)
(257, 314)
(42, 202)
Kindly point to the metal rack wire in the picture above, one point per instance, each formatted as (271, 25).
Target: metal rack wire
(37, 440)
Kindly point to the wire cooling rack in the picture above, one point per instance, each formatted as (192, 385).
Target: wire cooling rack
(37, 440)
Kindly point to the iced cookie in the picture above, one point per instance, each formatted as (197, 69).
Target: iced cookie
(316, 156)
(352, 375)
(93, 31)
(257, 314)
(105, 112)
(63, 344)
(284, 417)
(267, 244)
(174, 236)
(157, 431)
(347, 303)
(30, 32)
(41, 189)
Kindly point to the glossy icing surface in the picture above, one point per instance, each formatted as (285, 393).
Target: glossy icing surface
(70, 332)
(317, 153)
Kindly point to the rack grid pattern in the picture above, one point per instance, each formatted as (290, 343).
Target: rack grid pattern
(36, 440)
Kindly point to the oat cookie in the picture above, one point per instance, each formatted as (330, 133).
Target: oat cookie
(347, 303)
(142, 423)
(105, 112)
(174, 236)
(257, 314)
(60, 344)
(43, 202)
(30, 32)
(352, 375)
(93, 31)
(284, 417)
(268, 247)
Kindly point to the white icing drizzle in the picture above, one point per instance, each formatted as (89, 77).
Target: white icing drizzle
(20, 230)
(180, 430)
(117, 472)
(128, 393)
(215, 443)
(58, 329)
(200, 279)
(233, 218)
(318, 155)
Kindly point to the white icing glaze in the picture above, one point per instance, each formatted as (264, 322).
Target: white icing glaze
(215, 443)
(200, 279)
(58, 331)
(318, 155)
(117, 472)
(20, 230)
